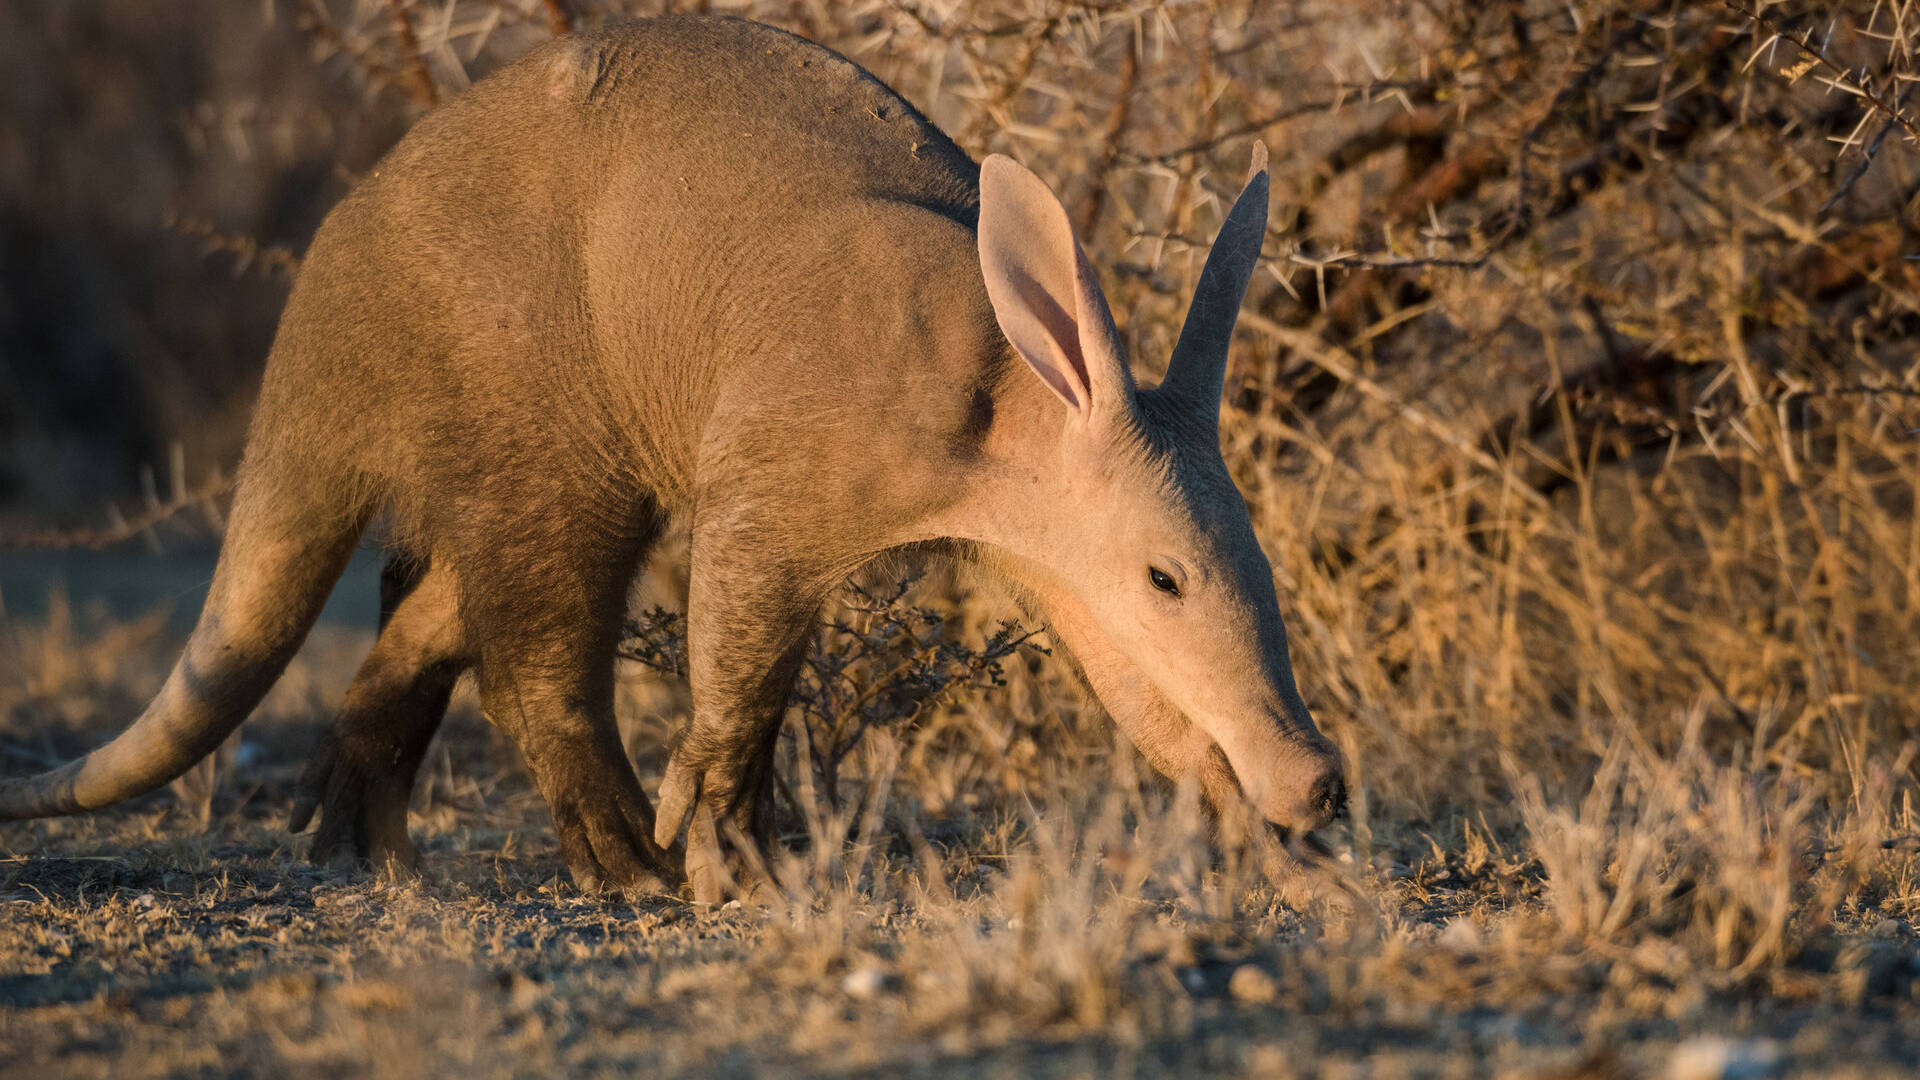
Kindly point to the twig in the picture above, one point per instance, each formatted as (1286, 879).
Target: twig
(1341, 365)
(1387, 261)
(1113, 132)
(316, 22)
(1866, 161)
(950, 29)
(1851, 390)
(1343, 96)
(424, 89)
(122, 529)
(1804, 44)
(1375, 260)
(1518, 216)
(272, 260)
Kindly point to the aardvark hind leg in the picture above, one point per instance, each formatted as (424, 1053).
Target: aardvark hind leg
(361, 775)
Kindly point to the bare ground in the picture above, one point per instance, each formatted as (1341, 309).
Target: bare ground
(1085, 937)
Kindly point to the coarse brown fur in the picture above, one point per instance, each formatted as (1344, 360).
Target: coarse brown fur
(703, 267)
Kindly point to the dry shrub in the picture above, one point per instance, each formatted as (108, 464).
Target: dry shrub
(880, 679)
(1109, 912)
(1677, 847)
(60, 673)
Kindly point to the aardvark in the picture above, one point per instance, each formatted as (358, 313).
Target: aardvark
(700, 266)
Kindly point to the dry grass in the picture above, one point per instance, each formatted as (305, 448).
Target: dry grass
(1576, 414)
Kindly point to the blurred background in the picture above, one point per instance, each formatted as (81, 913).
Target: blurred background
(123, 123)
(161, 166)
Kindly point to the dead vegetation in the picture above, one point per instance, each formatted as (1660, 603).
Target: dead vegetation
(1576, 410)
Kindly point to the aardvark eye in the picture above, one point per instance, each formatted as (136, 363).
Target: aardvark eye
(1163, 581)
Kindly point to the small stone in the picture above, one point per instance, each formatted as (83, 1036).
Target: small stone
(1716, 1057)
(866, 982)
(524, 991)
(1461, 936)
(1887, 928)
(1252, 985)
(1391, 868)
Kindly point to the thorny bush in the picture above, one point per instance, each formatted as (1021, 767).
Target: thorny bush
(881, 661)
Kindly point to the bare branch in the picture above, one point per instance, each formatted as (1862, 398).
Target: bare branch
(1844, 78)
(123, 528)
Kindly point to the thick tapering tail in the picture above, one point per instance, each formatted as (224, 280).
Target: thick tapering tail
(285, 548)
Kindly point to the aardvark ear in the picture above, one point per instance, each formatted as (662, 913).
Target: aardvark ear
(1197, 371)
(1044, 292)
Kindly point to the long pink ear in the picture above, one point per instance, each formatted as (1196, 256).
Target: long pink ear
(1044, 292)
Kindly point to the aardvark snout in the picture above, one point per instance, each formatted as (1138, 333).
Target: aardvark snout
(1328, 796)
(1312, 788)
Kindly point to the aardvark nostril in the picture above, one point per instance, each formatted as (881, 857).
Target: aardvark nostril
(1329, 796)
